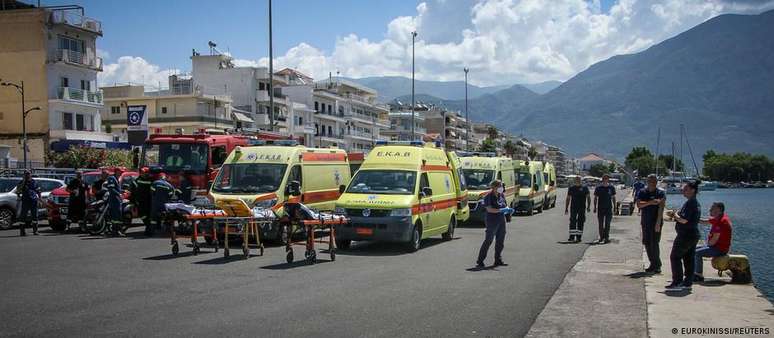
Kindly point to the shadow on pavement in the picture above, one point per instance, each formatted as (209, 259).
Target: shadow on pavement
(365, 248)
(293, 265)
(638, 274)
(682, 293)
(170, 256)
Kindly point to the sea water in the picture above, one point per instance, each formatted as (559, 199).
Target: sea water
(751, 212)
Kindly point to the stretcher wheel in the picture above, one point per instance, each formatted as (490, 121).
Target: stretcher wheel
(311, 257)
(175, 248)
(333, 255)
(246, 253)
(216, 244)
(260, 249)
(226, 253)
(289, 256)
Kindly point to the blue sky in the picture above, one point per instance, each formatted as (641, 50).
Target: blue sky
(501, 41)
(165, 31)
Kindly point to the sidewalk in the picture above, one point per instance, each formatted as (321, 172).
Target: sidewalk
(715, 303)
(603, 295)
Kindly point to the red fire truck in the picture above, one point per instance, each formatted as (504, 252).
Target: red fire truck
(198, 156)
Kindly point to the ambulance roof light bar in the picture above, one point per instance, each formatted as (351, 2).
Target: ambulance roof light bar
(399, 143)
(476, 153)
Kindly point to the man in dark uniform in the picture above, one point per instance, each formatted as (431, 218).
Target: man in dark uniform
(142, 197)
(604, 202)
(162, 192)
(96, 188)
(115, 199)
(29, 194)
(651, 202)
(579, 201)
(636, 188)
(496, 209)
(77, 201)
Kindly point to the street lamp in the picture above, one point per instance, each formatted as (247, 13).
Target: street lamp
(467, 119)
(271, 75)
(413, 39)
(20, 88)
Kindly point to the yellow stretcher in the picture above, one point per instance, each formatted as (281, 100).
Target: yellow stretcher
(238, 214)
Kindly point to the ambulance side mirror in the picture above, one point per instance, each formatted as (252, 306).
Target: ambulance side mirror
(293, 188)
(342, 188)
(426, 191)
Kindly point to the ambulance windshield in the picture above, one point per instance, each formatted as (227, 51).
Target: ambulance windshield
(525, 179)
(249, 178)
(399, 182)
(478, 179)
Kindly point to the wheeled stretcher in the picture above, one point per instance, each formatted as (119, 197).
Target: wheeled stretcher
(319, 228)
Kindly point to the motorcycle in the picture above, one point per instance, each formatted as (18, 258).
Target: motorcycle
(97, 213)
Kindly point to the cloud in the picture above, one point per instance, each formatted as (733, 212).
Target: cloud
(511, 41)
(134, 70)
(501, 41)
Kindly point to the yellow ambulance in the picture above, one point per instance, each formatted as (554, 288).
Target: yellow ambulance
(479, 170)
(259, 175)
(532, 192)
(404, 192)
(549, 180)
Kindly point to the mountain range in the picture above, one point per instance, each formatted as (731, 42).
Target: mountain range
(716, 78)
(391, 87)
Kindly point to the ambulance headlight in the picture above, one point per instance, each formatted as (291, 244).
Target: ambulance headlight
(266, 204)
(401, 212)
(339, 211)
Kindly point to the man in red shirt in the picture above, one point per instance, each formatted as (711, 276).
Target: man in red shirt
(719, 239)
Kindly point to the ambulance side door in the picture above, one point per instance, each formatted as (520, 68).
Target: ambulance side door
(425, 203)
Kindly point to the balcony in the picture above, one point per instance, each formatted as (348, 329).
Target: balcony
(73, 19)
(330, 116)
(359, 135)
(79, 95)
(76, 58)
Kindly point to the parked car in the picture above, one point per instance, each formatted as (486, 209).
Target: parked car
(58, 203)
(9, 203)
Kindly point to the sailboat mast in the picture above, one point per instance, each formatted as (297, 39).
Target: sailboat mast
(658, 145)
(681, 149)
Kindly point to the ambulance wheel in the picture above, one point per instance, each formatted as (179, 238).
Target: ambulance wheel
(540, 208)
(175, 248)
(289, 256)
(416, 238)
(333, 255)
(343, 244)
(449, 234)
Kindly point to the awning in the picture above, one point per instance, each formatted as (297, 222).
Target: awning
(241, 117)
(64, 145)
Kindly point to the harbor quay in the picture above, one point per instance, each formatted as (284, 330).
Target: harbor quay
(74, 284)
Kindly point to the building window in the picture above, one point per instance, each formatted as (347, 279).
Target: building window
(85, 85)
(163, 110)
(67, 121)
(261, 86)
(65, 82)
(316, 106)
(115, 110)
(79, 125)
(330, 131)
(330, 109)
(71, 44)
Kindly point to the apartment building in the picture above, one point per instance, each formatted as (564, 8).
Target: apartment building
(53, 51)
(345, 114)
(172, 111)
(449, 126)
(248, 87)
(559, 158)
(402, 117)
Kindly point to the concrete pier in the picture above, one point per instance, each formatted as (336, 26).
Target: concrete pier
(607, 294)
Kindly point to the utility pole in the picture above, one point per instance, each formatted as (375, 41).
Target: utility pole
(20, 88)
(467, 119)
(413, 112)
(271, 75)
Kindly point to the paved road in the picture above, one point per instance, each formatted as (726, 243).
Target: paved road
(75, 285)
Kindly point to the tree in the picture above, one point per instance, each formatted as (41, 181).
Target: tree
(84, 157)
(638, 152)
(532, 153)
(738, 167)
(669, 160)
(599, 169)
(642, 160)
(488, 146)
(509, 147)
(492, 132)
